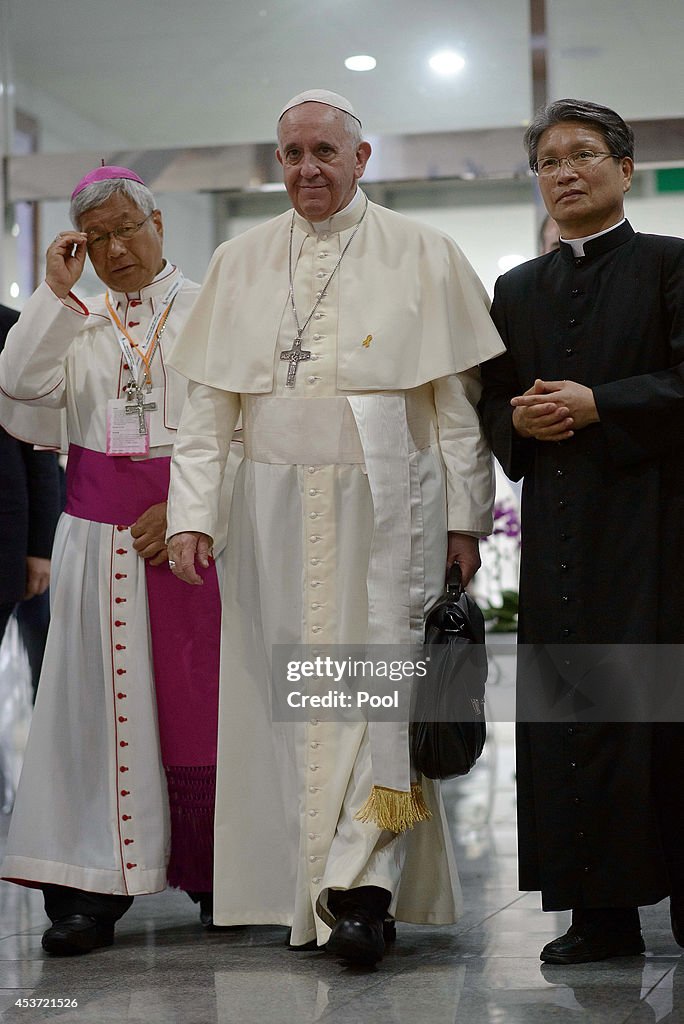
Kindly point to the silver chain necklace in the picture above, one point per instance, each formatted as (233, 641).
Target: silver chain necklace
(296, 354)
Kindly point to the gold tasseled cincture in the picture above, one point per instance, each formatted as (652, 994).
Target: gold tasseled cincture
(393, 809)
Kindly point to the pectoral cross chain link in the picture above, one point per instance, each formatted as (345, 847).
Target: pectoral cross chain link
(297, 354)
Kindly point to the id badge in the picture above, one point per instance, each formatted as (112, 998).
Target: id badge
(123, 430)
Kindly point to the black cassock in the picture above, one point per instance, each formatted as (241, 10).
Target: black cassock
(600, 806)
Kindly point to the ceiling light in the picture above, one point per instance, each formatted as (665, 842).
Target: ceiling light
(361, 62)
(447, 62)
(14, 290)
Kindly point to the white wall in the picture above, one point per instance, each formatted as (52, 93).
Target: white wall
(486, 234)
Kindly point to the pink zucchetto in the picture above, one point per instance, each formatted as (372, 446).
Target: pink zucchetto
(105, 174)
(331, 99)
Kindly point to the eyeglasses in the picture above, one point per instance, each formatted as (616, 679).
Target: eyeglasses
(124, 231)
(583, 159)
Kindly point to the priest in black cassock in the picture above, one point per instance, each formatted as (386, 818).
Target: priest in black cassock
(587, 406)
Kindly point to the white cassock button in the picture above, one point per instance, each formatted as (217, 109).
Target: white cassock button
(318, 316)
(324, 236)
(321, 273)
(316, 879)
(312, 469)
(315, 605)
(312, 380)
(312, 835)
(314, 538)
(313, 789)
(316, 583)
(313, 721)
(313, 492)
(315, 561)
(318, 294)
(312, 813)
(312, 859)
(317, 337)
(316, 629)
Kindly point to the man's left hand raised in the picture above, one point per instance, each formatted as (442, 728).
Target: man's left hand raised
(466, 551)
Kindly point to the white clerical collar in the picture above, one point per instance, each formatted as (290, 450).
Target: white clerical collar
(342, 220)
(154, 289)
(579, 243)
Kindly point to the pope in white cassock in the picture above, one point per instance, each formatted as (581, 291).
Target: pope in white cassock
(348, 337)
(116, 795)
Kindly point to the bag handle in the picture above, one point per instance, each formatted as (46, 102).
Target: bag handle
(454, 583)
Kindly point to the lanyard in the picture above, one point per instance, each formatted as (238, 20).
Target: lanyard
(139, 357)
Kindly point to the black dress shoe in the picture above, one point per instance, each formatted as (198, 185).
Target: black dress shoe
(584, 945)
(76, 934)
(206, 904)
(389, 934)
(677, 919)
(357, 936)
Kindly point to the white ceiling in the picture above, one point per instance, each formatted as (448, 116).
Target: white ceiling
(168, 73)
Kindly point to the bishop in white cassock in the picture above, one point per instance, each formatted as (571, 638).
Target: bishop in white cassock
(117, 790)
(348, 337)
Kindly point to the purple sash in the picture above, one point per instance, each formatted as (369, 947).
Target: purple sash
(185, 625)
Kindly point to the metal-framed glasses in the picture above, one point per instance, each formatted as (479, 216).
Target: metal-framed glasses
(99, 241)
(581, 160)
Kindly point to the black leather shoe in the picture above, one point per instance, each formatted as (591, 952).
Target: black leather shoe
(582, 945)
(389, 934)
(206, 904)
(677, 919)
(76, 934)
(357, 936)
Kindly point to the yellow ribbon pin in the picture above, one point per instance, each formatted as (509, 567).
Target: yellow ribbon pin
(366, 341)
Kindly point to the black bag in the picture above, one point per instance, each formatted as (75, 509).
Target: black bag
(448, 724)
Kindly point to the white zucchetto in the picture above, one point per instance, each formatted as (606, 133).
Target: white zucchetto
(331, 99)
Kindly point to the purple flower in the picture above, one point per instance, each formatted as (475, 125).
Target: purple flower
(506, 520)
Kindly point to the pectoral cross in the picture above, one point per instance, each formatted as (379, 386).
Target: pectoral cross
(295, 355)
(140, 407)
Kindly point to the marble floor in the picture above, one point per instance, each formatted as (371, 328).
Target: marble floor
(164, 968)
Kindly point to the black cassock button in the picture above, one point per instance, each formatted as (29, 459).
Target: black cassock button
(564, 566)
(572, 322)
(569, 351)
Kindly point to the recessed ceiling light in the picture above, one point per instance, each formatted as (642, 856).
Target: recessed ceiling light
(14, 290)
(361, 62)
(447, 62)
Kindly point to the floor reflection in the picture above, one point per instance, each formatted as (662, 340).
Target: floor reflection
(165, 969)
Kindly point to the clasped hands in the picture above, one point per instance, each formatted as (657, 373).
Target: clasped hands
(552, 410)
